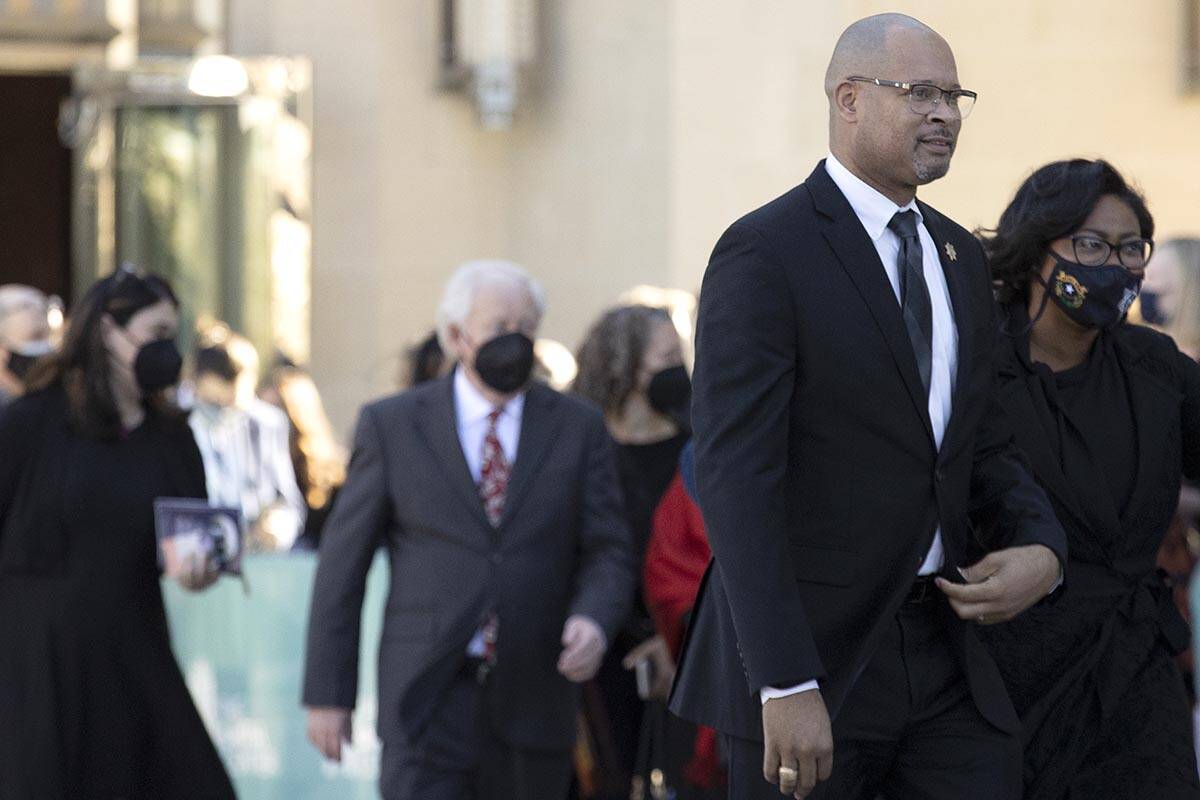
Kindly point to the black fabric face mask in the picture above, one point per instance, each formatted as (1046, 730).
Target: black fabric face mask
(505, 362)
(1152, 311)
(157, 365)
(1094, 297)
(670, 390)
(23, 357)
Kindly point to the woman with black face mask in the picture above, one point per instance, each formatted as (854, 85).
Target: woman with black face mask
(1108, 414)
(631, 365)
(94, 704)
(24, 337)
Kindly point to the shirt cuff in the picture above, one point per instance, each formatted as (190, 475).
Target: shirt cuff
(771, 693)
(1057, 583)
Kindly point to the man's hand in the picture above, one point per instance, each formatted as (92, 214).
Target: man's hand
(583, 648)
(797, 737)
(1003, 584)
(328, 727)
(655, 648)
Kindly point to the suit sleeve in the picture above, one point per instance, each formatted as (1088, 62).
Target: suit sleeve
(742, 396)
(353, 532)
(1005, 500)
(605, 574)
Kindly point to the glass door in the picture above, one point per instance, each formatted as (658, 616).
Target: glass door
(200, 170)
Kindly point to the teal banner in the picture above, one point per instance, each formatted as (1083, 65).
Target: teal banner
(243, 658)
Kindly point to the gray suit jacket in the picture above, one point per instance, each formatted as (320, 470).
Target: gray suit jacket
(562, 548)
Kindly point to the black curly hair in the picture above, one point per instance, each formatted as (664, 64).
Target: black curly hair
(1052, 202)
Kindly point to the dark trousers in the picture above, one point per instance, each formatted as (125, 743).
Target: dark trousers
(908, 729)
(459, 757)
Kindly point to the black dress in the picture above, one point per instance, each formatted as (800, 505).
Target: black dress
(1090, 669)
(94, 704)
(645, 471)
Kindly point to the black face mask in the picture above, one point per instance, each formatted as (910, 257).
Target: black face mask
(22, 358)
(670, 390)
(1094, 297)
(505, 362)
(157, 365)
(1152, 311)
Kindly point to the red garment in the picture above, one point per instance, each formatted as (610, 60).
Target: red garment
(676, 558)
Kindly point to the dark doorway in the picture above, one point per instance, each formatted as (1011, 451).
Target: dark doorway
(35, 184)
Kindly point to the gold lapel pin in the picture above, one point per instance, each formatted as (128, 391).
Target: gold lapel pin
(951, 252)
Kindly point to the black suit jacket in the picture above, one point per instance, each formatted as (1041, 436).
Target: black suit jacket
(819, 479)
(562, 548)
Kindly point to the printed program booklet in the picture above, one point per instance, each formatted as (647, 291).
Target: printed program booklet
(189, 528)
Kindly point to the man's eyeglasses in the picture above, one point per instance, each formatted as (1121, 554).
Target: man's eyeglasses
(923, 98)
(1092, 251)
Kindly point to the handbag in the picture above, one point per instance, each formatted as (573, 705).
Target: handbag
(649, 778)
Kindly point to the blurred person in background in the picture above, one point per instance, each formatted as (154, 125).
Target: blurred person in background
(94, 704)
(497, 501)
(1108, 413)
(318, 460)
(24, 336)
(676, 559)
(425, 361)
(277, 509)
(225, 436)
(631, 366)
(1170, 301)
(1170, 298)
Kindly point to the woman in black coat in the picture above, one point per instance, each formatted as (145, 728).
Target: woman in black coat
(92, 702)
(1108, 414)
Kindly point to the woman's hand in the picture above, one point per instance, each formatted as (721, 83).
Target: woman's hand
(198, 574)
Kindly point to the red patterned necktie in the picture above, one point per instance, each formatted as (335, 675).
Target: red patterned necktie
(494, 472)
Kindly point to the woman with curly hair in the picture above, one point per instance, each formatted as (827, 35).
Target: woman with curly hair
(1109, 415)
(631, 365)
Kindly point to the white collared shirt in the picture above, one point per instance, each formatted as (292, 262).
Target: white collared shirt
(875, 211)
(472, 410)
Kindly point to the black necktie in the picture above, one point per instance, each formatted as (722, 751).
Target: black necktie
(914, 293)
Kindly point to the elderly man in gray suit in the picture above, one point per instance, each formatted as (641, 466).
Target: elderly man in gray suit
(511, 564)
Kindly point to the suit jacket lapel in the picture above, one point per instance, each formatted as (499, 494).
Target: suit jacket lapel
(439, 425)
(854, 249)
(960, 293)
(538, 424)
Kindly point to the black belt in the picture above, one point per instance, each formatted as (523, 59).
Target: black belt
(922, 590)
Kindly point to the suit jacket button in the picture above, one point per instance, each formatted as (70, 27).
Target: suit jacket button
(939, 476)
(497, 559)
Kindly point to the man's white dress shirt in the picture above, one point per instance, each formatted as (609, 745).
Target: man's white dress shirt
(471, 410)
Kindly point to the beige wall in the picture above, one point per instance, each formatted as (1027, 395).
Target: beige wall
(650, 126)
(407, 185)
(1056, 80)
